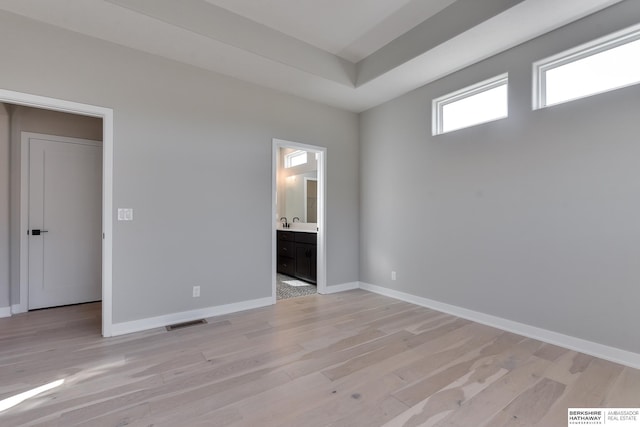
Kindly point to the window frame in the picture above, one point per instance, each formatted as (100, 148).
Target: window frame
(585, 50)
(438, 104)
(288, 157)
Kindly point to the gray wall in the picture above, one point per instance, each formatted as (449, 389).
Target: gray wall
(535, 218)
(201, 217)
(26, 119)
(4, 205)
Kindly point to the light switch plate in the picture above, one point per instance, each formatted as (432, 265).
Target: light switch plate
(125, 214)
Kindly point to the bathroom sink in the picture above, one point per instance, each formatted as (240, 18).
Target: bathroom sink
(300, 227)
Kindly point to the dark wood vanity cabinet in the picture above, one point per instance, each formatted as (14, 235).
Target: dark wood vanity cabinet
(286, 253)
(306, 256)
(297, 255)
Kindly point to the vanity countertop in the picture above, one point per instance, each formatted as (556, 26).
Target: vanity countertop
(298, 230)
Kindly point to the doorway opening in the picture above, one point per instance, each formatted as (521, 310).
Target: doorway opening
(298, 220)
(60, 208)
(61, 150)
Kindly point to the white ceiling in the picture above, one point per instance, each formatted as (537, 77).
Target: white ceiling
(351, 54)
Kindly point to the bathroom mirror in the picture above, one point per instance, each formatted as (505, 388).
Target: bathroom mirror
(301, 197)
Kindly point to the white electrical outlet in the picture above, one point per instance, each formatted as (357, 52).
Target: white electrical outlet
(196, 291)
(393, 275)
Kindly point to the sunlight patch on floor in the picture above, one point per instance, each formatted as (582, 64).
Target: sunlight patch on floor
(12, 401)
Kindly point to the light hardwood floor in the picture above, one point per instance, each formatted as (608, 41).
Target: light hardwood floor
(348, 359)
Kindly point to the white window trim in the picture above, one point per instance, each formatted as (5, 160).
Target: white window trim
(289, 157)
(593, 47)
(439, 103)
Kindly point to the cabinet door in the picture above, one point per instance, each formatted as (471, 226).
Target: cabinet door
(303, 261)
(313, 263)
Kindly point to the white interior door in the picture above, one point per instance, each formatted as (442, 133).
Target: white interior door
(65, 217)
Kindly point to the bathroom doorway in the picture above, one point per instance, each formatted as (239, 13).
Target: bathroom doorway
(298, 226)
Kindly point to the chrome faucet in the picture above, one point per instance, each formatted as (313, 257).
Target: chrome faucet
(285, 224)
(294, 219)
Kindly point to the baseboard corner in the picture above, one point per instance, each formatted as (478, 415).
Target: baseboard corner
(343, 287)
(5, 311)
(18, 308)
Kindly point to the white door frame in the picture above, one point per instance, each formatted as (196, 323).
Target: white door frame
(322, 211)
(106, 114)
(25, 168)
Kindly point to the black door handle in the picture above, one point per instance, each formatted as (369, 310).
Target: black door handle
(37, 232)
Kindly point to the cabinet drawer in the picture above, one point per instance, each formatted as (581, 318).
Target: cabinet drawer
(286, 248)
(286, 235)
(306, 238)
(286, 265)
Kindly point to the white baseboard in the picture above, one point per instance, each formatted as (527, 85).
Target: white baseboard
(186, 316)
(601, 351)
(18, 308)
(341, 288)
(5, 311)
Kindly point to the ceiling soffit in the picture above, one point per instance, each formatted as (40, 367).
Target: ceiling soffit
(208, 36)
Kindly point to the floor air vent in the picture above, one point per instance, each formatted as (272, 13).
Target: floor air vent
(186, 324)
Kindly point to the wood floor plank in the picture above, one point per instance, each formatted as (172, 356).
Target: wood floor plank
(625, 393)
(348, 359)
(589, 389)
(482, 365)
(467, 350)
(550, 352)
(530, 406)
(355, 402)
(215, 398)
(364, 360)
(272, 407)
(496, 396)
(446, 400)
